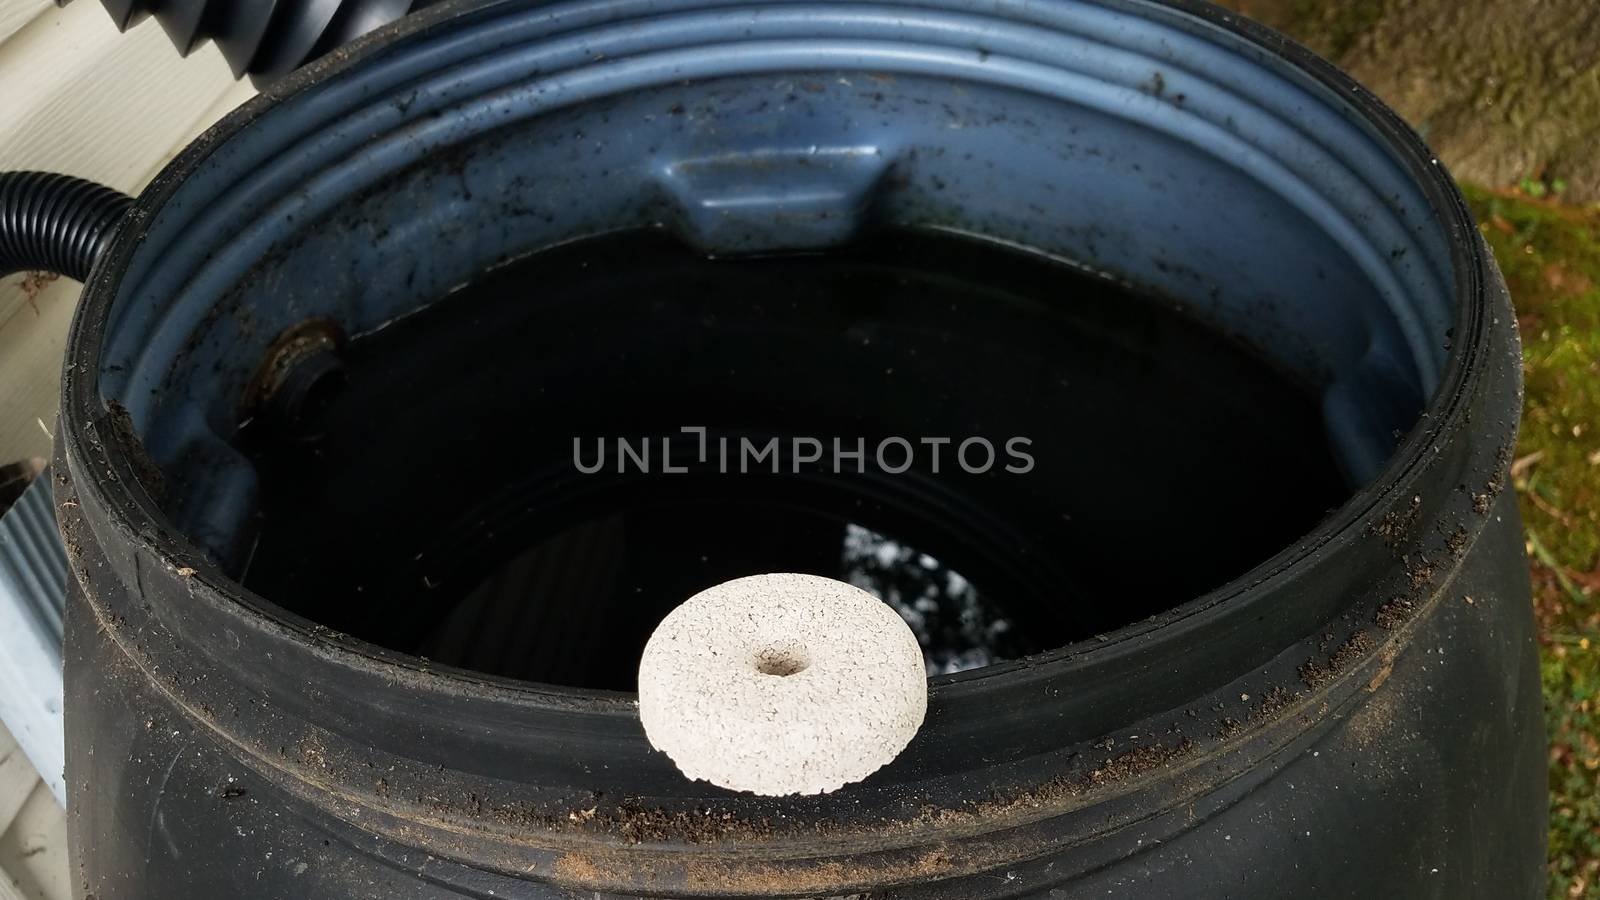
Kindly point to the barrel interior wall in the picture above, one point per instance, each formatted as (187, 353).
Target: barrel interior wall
(1159, 158)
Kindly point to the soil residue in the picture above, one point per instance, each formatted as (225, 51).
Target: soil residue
(636, 824)
(1315, 673)
(1138, 761)
(1395, 613)
(1274, 702)
(145, 468)
(1395, 526)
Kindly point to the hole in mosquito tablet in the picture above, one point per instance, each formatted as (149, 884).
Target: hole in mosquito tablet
(783, 659)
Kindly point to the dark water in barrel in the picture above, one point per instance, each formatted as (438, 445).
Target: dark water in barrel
(434, 499)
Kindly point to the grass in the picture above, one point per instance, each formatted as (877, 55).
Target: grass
(1550, 255)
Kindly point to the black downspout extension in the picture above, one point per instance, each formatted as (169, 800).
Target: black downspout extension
(55, 223)
(262, 38)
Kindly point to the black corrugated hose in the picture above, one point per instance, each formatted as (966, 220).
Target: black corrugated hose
(262, 39)
(55, 223)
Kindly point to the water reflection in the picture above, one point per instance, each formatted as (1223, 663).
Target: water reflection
(956, 630)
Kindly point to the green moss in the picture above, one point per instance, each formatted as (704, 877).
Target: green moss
(1551, 259)
(1332, 29)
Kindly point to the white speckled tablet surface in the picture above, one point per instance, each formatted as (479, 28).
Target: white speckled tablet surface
(782, 684)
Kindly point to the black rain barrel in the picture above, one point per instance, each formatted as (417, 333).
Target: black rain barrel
(1233, 605)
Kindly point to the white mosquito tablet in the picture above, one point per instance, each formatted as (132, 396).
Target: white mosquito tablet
(782, 684)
